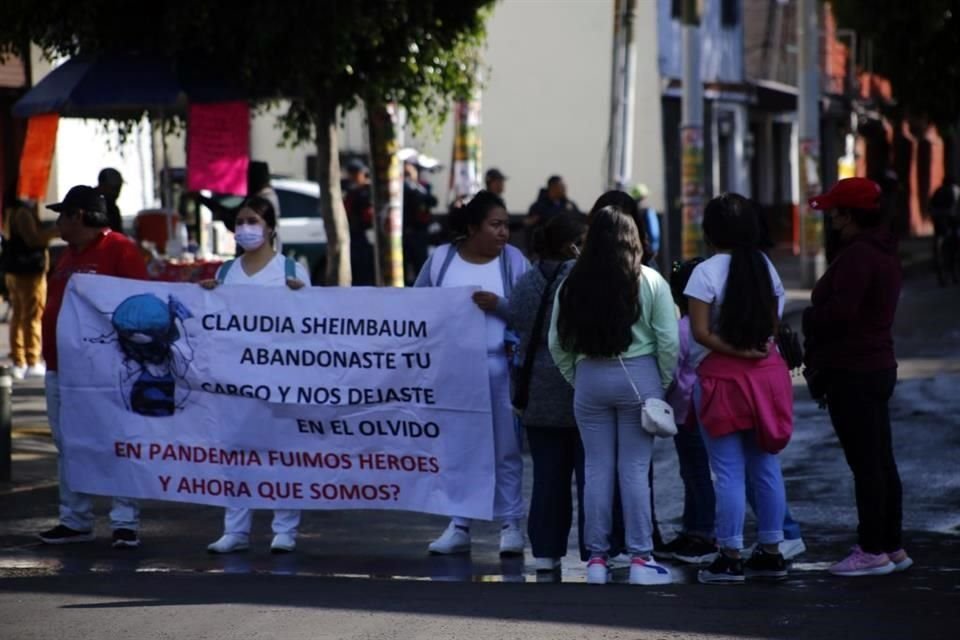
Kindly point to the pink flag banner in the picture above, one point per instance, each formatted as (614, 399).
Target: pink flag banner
(218, 147)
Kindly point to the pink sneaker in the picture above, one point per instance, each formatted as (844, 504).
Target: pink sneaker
(861, 563)
(901, 561)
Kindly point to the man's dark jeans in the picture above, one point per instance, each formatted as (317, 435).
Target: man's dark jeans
(859, 409)
(558, 455)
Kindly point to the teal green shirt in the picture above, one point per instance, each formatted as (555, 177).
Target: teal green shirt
(655, 333)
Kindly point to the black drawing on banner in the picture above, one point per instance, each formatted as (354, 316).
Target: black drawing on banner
(156, 353)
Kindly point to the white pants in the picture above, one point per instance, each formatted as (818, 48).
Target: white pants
(238, 521)
(508, 492)
(76, 509)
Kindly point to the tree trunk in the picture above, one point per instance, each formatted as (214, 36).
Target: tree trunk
(331, 199)
(387, 190)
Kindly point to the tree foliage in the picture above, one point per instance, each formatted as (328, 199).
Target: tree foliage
(320, 55)
(916, 46)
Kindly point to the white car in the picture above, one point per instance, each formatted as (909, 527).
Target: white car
(301, 229)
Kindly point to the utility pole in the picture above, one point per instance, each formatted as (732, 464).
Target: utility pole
(622, 95)
(808, 143)
(691, 135)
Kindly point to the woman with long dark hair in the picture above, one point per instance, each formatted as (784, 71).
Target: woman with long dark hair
(613, 335)
(628, 205)
(480, 256)
(743, 394)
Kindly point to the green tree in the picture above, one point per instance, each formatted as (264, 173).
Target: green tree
(321, 55)
(915, 45)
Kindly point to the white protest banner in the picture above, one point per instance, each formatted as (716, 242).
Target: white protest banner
(322, 398)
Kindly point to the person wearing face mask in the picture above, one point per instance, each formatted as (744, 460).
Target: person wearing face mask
(851, 365)
(261, 264)
(480, 256)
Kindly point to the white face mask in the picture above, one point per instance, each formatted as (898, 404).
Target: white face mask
(249, 236)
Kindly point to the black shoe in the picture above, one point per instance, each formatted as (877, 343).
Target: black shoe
(770, 566)
(65, 535)
(125, 539)
(696, 551)
(667, 551)
(723, 570)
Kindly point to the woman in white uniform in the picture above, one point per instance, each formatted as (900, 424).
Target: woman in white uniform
(261, 264)
(480, 256)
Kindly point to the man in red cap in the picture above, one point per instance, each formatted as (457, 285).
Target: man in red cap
(851, 365)
(92, 247)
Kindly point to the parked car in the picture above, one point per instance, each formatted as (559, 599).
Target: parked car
(301, 227)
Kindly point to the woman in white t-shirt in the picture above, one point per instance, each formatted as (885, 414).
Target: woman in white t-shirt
(743, 395)
(261, 264)
(481, 257)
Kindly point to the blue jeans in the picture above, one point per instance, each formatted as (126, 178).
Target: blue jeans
(731, 456)
(699, 501)
(791, 528)
(557, 455)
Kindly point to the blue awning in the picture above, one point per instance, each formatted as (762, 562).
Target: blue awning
(119, 87)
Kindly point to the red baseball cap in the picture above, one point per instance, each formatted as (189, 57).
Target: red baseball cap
(851, 193)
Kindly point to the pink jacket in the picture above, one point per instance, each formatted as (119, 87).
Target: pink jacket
(741, 394)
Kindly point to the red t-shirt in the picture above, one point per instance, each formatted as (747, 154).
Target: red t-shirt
(112, 254)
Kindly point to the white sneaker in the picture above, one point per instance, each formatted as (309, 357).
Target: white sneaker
(597, 572)
(18, 372)
(789, 549)
(643, 571)
(546, 564)
(229, 543)
(452, 540)
(36, 370)
(511, 540)
(283, 543)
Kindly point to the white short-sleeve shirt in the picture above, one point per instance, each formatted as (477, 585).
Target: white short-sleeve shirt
(488, 277)
(273, 274)
(708, 283)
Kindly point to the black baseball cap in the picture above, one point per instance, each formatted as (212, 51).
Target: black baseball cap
(81, 197)
(495, 174)
(356, 164)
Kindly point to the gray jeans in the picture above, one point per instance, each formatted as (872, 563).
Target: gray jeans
(609, 415)
(76, 509)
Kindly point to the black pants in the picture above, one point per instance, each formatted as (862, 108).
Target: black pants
(558, 455)
(859, 409)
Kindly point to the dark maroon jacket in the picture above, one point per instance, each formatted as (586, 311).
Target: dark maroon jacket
(850, 325)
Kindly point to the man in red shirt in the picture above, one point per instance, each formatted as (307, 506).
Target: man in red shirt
(92, 248)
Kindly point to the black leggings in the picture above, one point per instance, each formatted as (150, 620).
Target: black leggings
(859, 409)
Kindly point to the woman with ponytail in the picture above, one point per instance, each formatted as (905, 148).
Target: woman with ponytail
(743, 396)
